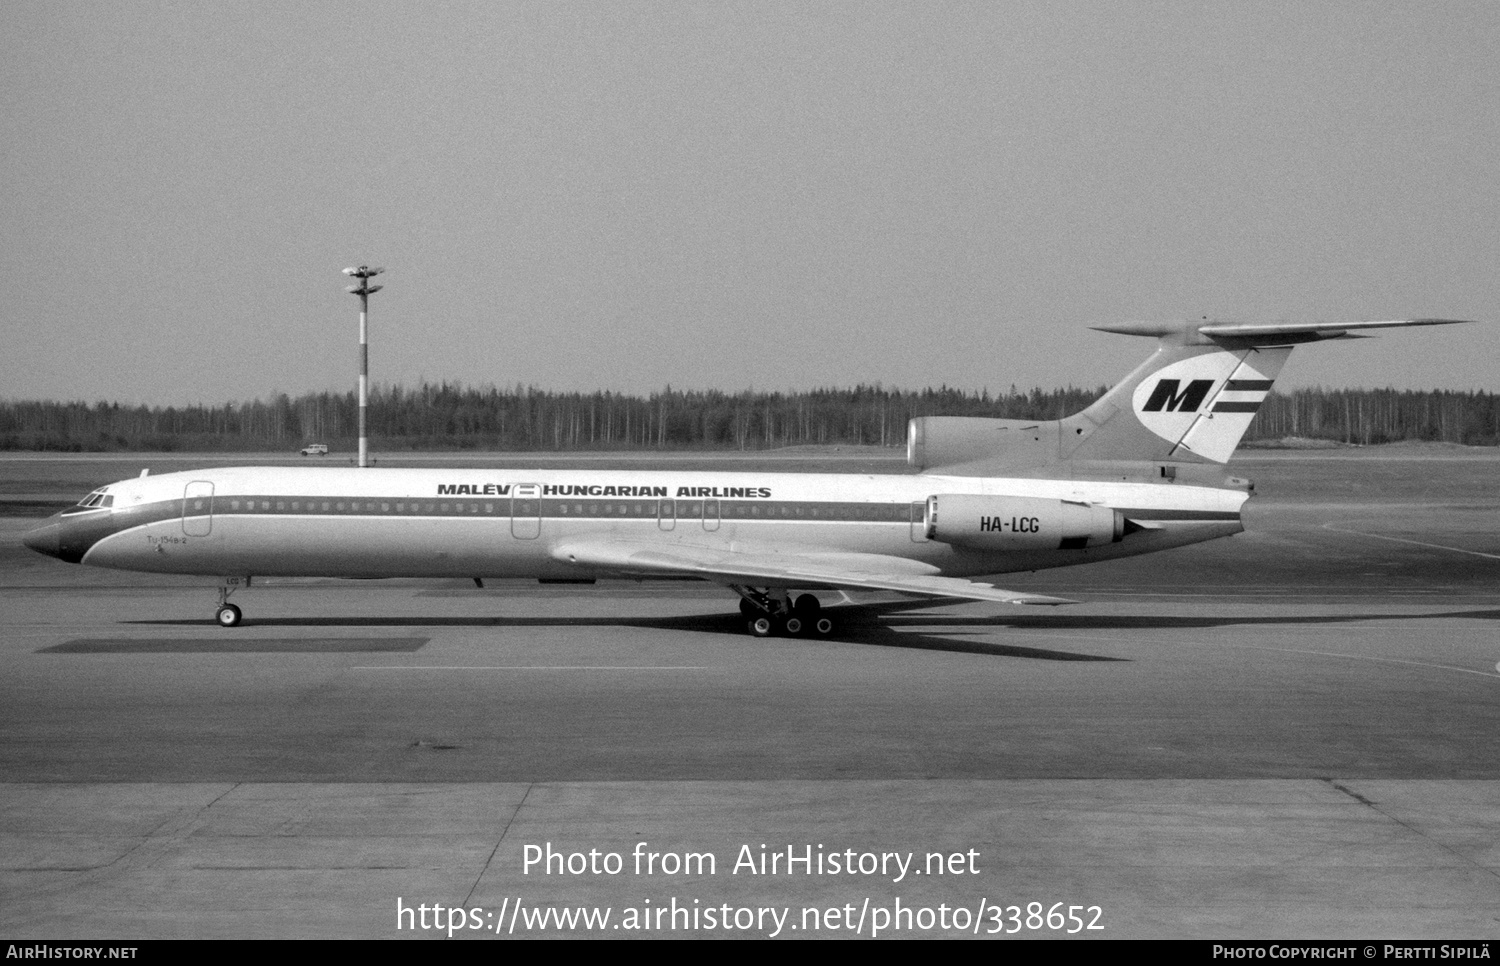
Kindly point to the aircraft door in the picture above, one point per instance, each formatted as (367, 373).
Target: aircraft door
(198, 508)
(666, 514)
(710, 514)
(526, 511)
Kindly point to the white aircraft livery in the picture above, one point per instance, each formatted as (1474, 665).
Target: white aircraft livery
(1139, 470)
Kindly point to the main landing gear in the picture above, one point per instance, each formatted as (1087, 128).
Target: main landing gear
(229, 615)
(772, 613)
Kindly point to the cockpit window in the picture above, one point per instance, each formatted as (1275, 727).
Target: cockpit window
(98, 498)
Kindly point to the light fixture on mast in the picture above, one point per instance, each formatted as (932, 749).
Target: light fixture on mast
(364, 290)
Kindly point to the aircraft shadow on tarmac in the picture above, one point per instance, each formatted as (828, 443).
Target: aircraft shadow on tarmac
(1126, 623)
(863, 629)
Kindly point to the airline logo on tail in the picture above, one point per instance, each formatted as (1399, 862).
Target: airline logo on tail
(1204, 404)
(1167, 396)
(1241, 396)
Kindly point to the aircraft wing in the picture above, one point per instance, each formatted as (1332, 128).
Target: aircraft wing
(845, 571)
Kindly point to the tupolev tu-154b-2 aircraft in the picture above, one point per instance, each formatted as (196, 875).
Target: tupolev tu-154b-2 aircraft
(1140, 470)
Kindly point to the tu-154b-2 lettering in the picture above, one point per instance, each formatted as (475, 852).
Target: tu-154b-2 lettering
(1138, 471)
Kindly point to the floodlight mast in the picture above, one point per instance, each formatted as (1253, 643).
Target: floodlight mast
(364, 290)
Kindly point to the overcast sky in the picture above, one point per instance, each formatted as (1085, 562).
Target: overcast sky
(728, 196)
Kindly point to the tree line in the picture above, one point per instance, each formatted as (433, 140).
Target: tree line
(451, 416)
(1368, 417)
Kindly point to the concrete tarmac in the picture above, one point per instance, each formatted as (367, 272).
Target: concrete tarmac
(1287, 734)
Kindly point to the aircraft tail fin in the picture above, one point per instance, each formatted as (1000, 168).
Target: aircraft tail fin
(1190, 402)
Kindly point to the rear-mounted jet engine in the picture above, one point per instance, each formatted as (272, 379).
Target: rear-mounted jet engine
(1021, 523)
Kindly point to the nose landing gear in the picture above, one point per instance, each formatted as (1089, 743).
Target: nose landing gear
(229, 615)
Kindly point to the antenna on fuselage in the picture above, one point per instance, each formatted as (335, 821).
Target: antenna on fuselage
(364, 290)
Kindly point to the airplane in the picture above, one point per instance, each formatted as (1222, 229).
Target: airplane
(1139, 470)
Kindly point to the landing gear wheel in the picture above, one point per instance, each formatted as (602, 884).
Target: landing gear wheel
(823, 626)
(795, 626)
(748, 610)
(762, 627)
(228, 616)
(808, 606)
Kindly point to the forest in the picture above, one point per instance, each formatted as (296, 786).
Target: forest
(445, 416)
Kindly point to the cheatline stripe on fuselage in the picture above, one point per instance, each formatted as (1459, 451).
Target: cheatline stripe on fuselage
(107, 522)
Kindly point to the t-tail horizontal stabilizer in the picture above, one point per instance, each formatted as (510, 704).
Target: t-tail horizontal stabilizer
(1198, 394)
(1261, 333)
(1191, 402)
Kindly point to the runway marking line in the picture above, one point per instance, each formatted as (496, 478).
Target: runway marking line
(1415, 543)
(1358, 657)
(525, 667)
(1353, 657)
(1286, 650)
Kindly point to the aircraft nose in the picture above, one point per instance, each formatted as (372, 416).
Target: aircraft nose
(46, 539)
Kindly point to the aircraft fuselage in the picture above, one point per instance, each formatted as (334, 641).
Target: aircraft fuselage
(512, 523)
